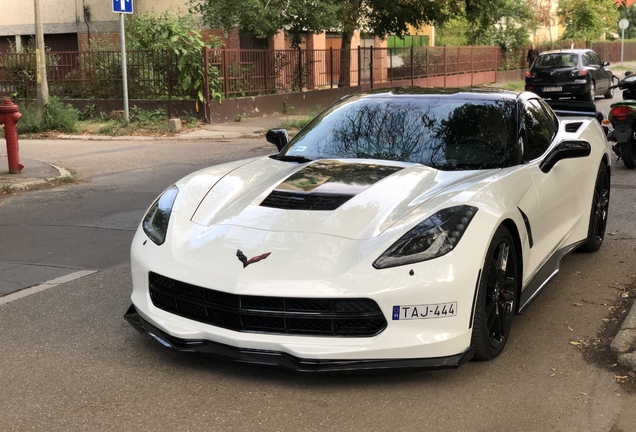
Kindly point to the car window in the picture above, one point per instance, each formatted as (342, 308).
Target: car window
(586, 60)
(539, 130)
(446, 133)
(553, 117)
(592, 59)
(595, 59)
(556, 60)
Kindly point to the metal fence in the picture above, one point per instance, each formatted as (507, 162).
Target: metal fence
(248, 72)
(236, 73)
(607, 51)
(93, 74)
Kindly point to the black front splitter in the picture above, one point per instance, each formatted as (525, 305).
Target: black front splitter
(288, 361)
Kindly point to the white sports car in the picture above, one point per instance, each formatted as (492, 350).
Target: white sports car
(401, 228)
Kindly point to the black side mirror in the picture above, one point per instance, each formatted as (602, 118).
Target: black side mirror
(605, 63)
(278, 137)
(600, 116)
(565, 150)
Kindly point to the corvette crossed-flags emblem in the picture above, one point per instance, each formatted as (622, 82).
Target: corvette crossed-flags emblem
(242, 258)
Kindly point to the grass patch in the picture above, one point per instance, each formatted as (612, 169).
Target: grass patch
(6, 189)
(142, 122)
(515, 85)
(300, 122)
(64, 118)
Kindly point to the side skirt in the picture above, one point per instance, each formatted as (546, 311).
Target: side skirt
(545, 275)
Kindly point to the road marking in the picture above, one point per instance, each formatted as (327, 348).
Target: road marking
(44, 286)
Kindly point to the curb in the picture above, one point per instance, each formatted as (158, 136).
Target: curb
(32, 181)
(210, 135)
(624, 343)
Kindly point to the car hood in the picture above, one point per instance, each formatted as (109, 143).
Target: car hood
(354, 199)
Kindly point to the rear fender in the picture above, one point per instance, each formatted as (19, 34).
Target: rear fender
(623, 131)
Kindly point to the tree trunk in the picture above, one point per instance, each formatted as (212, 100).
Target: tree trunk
(345, 60)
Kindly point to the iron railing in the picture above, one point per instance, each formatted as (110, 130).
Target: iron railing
(235, 73)
(93, 74)
(248, 72)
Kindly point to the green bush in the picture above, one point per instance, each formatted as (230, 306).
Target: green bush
(29, 122)
(147, 117)
(57, 116)
(60, 116)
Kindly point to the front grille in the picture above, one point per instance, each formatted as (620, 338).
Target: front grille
(573, 127)
(276, 315)
(305, 200)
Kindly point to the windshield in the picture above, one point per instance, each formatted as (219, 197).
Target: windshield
(441, 132)
(557, 60)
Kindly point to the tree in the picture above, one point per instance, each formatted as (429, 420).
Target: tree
(543, 16)
(628, 13)
(452, 32)
(588, 20)
(500, 22)
(172, 32)
(264, 18)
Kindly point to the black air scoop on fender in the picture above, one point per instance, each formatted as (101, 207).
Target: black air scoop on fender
(326, 185)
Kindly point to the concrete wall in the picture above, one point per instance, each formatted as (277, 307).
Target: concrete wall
(67, 16)
(58, 16)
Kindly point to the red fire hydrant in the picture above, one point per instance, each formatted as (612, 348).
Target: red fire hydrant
(9, 116)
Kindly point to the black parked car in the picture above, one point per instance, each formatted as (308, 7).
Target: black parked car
(576, 73)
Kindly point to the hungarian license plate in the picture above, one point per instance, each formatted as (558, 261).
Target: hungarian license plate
(552, 89)
(424, 311)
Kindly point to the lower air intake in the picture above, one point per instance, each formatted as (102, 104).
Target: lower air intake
(276, 315)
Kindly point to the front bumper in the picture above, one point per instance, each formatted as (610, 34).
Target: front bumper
(288, 361)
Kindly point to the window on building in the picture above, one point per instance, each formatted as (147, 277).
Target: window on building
(407, 41)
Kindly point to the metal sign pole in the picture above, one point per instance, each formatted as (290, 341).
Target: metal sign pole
(124, 73)
(622, 43)
(623, 24)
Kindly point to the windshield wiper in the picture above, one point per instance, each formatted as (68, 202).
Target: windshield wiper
(299, 159)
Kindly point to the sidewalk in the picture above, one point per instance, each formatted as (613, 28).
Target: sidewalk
(246, 128)
(33, 173)
(36, 172)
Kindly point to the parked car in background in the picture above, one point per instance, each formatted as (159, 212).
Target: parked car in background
(576, 73)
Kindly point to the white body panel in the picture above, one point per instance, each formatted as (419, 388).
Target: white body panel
(330, 254)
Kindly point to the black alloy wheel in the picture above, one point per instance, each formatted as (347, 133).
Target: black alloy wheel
(600, 207)
(496, 298)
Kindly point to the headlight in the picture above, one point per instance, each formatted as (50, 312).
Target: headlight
(432, 238)
(155, 222)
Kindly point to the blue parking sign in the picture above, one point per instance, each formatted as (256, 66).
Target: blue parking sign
(123, 6)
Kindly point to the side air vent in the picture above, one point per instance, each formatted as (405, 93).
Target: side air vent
(305, 201)
(573, 127)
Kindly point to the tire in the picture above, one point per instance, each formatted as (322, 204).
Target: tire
(598, 216)
(496, 297)
(627, 153)
(609, 94)
(591, 94)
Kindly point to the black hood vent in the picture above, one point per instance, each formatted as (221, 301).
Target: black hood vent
(573, 127)
(289, 200)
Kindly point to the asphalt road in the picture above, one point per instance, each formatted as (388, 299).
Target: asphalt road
(69, 362)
